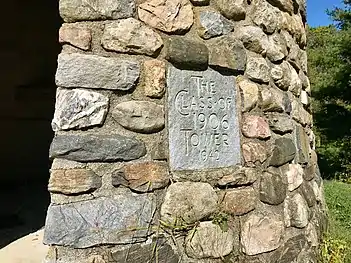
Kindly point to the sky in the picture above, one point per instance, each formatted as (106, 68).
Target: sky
(316, 15)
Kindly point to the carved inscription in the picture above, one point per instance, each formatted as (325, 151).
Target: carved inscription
(202, 121)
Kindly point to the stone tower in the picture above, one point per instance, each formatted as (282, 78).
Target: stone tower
(183, 134)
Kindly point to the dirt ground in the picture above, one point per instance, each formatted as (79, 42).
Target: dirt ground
(28, 249)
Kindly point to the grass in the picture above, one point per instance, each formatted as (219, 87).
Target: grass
(337, 244)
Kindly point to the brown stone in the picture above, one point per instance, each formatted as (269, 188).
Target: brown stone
(249, 92)
(243, 176)
(75, 35)
(142, 177)
(155, 78)
(254, 151)
(255, 127)
(239, 201)
(226, 52)
(232, 9)
(73, 181)
(131, 36)
(274, 100)
(167, 15)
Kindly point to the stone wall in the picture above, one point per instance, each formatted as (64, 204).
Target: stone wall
(183, 134)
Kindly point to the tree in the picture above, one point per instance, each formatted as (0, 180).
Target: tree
(330, 73)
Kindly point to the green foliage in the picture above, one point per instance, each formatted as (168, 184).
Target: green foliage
(333, 250)
(336, 246)
(329, 55)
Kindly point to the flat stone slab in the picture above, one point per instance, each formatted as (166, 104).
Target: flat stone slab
(96, 148)
(125, 218)
(79, 108)
(96, 72)
(202, 120)
(78, 10)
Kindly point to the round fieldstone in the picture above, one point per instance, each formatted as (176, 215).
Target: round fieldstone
(209, 240)
(188, 202)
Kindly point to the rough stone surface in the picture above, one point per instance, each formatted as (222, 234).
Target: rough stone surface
(280, 123)
(254, 152)
(186, 53)
(130, 36)
(188, 202)
(306, 85)
(79, 109)
(255, 127)
(266, 16)
(232, 9)
(140, 116)
(302, 145)
(243, 176)
(257, 68)
(73, 181)
(290, 250)
(227, 53)
(239, 201)
(299, 213)
(142, 177)
(284, 5)
(272, 189)
(203, 133)
(82, 10)
(58, 164)
(308, 193)
(296, 84)
(95, 72)
(213, 24)
(120, 219)
(284, 151)
(155, 78)
(274, 100)
(249, 92)
(158, 250)
(167, 15)
(277, 49)
(93, 148)
(253, 38)
(261, 233)
(75, 35)
(209, 240)
(300, 114)
(305, 100)
(200, 2)
(294, 175)
(281, 75)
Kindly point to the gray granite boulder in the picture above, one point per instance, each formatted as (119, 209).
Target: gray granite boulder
(121, 219)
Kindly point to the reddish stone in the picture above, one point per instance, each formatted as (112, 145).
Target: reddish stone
(254, 151)
(142, 177)
(75, 35)
(239, 202)
(255, 127)
(73, 181)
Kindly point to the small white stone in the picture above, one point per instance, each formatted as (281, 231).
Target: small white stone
(295, 176)
(304, 98)
(78, 109)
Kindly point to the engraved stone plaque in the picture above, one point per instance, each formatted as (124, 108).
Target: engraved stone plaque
(202, 120)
